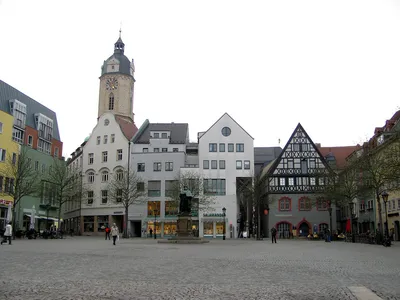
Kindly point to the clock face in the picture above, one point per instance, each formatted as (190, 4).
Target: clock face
(111, 84)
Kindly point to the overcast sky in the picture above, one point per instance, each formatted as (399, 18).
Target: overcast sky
(333, 66)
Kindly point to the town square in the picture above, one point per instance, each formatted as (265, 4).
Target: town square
(211, 150)
(92, 268)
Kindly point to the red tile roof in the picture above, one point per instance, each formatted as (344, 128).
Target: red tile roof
(340, 153)
(128, 127)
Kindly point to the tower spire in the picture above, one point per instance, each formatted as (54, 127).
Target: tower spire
(120, 29)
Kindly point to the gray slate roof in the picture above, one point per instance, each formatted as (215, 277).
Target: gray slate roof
(7, 92)
(124, 64)
(179, 132)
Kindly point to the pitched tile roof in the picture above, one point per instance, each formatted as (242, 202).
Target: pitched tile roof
(7, 92)
(128, 127)
(340, 153)
(179, 132)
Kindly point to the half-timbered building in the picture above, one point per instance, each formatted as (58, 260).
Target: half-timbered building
(296, 180)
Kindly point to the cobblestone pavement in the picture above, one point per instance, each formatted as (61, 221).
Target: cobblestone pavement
(91, 268)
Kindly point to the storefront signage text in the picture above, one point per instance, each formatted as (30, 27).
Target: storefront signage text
(213, 215)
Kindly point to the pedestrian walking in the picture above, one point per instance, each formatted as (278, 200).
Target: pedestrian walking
(107, 230)
(273, 234)
(114, 233)
(7, 234)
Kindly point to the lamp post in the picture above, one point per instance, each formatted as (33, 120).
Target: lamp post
(330, 216)
(353, 237)
(224, 229)
(385, 197)
(155, 220)
(48, 205)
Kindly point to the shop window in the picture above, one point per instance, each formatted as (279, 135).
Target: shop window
(88, 224)
(169, 228)
(208, 229)
(153, 207)
(214, 186)
(101, 221)
(219, 228)
(171, 208)
(156, 230)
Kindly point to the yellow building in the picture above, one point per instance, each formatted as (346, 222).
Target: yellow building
(8, 155)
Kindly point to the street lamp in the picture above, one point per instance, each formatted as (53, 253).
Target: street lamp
(224, 229)
(155, 220)
(353, 237)
(48, 205)
(385, 197)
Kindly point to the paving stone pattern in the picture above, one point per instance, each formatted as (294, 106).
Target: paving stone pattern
(92, 268)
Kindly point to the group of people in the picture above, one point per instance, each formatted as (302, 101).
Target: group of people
(113, 231)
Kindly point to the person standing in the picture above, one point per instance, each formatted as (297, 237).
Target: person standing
(7, 234)
(107, 230)
(114, 233)
(273, 234)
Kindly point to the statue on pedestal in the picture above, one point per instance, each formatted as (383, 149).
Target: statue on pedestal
(185, 205)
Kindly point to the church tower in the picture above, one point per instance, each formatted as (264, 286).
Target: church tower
(117, 83)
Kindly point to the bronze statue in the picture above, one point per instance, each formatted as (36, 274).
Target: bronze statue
(185, 205)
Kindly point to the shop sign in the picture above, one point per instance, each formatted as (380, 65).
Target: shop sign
(118, 212)
(213, 215)
(5, 202)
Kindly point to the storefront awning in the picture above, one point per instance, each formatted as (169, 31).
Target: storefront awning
(44, 217)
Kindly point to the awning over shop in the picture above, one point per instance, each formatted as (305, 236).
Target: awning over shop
(44, 218)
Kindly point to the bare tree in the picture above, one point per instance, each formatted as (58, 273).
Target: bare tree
(61, 185)
(381, 169)
(203, 195)
(127, 189)
(21, 178)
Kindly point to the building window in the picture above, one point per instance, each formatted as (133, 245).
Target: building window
(56, 152)
(164, 149)
(105, 139)
(91, 177)
(106, 122)
(1, 183)
(36, 166)
(238, 165)
(1, 127)
(118, 197)
(119, 174)
(322, 204)
(214, 164)
(226, 131)
(247, 164)
(285, 204)
(157, 150)
(145, 150)
(90, 158)
(43, 168)
(140, 186)
(304, 203)
(119, 154)
(239, 147)
(175, 150)
(221, 147)
(213, 147)
(312, 180)
(154, 188)
(90, 195)
(14, 158)
(170, 188)
(141, 167)
(30, 140)
(156, 135)
(206, 164)
(157, 167)
(171, 208)
(169, 166)
(104, 176)
(222, 164)
(88, 224)
(104, 156)
(104, 196)
(2, 154)
(291, 181)
(112, 138)
(282, 181)
(111, 102)
(214, 187)
(231, 147)
(98, 140)
(153, 208)
(18, 135)
(164, 135)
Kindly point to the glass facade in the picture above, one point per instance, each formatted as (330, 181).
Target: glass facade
(208, 229)
(101, 221)
(169, 228)
(88, 224)
(150, 225)
(153, 206)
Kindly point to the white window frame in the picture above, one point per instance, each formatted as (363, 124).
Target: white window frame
(119, 154)
(104, 156)
(90, 158)
(104, 176)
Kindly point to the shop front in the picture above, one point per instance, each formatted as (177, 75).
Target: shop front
(3, 212)
(213, 226)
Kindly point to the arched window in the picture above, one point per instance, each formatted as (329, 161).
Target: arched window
(111, 102)
(284, 229)
(285, 204)
(104, 176)
(119, 175)
(304, 203)
(91, 177)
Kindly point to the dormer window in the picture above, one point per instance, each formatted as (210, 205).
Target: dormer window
(164, 135)
(156, 135)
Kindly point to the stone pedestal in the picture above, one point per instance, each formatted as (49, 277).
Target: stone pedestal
(184, 232)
